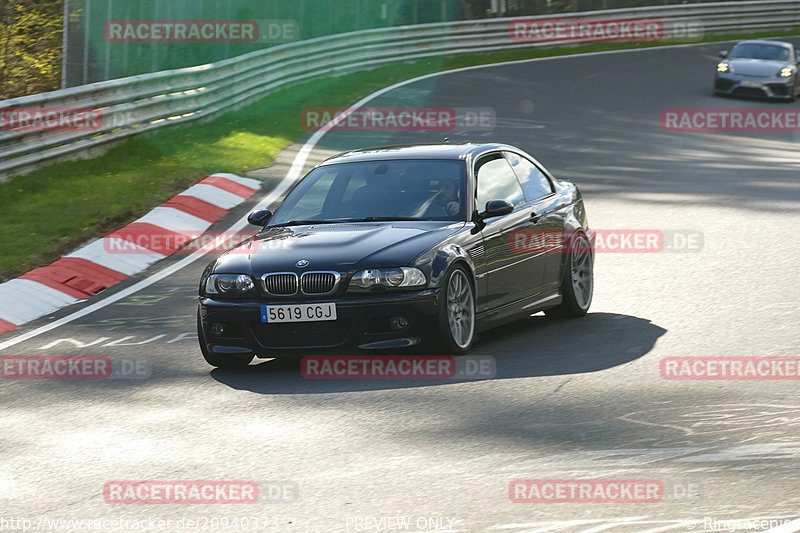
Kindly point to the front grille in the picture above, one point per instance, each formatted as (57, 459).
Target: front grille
(318, 282)
(283, 284)
(722, 84)
(310, 283)
(749, 91)
(302, 334)
(779, 89)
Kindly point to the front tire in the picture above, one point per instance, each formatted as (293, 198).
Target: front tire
(577, 286)
(456, 332)
(219, 361)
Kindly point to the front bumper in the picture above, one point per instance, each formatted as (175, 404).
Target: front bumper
(362, 322)
(768, 87)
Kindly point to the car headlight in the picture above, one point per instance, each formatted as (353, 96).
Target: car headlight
(387, 277)
(229, 284)
(786, 72)
(723, 67)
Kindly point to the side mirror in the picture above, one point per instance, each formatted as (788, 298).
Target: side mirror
(723, 54)
(496, 208)
(260, 217)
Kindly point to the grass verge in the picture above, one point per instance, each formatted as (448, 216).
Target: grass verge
(51, 211)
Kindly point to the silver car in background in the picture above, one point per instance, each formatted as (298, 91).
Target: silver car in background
(759, 69)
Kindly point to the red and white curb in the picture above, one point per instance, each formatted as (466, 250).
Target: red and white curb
(97, 265)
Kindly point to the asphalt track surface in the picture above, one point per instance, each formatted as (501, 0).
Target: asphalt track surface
(572, 400)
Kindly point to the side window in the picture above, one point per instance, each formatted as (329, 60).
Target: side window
(496, 181)
(533, 181)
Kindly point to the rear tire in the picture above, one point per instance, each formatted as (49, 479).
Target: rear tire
(577, 286)
(233, 360)
(456, 332)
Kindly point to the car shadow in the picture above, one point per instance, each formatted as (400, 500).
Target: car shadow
(533, 347)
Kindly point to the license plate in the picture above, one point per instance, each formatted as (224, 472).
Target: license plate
(298, 313)
(752, 84)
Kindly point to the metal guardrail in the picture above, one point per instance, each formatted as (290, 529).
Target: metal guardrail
(129, 106)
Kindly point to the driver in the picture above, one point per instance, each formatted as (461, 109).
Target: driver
(447, 197)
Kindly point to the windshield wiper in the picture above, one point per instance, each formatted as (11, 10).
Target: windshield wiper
(306, 222)
(386, 219)
(340, 220)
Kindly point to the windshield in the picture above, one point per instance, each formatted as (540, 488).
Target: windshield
(760, 51)
(377, 190)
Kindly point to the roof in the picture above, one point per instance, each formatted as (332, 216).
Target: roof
(415, 151)
(762, 41)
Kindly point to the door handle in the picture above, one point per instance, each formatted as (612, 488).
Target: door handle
(535, 217)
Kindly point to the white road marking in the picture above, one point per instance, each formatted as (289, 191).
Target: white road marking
(247, 182)
(672, 526)
(190, 335)
(74, 342)
(172, 219)
(604, 527)
(119, 342)
(31, 300)
(596, 525)
(744, 452)
(543, 527)
(213, 195)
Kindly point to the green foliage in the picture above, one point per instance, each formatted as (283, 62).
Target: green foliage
(30, 46)
(91, 56)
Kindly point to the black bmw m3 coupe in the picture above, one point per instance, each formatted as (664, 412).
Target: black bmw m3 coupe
(391, 247)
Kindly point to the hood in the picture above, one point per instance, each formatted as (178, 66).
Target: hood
(756, 67)
(339, 247)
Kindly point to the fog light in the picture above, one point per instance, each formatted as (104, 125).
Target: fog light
(398, 322)
(217, 329)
